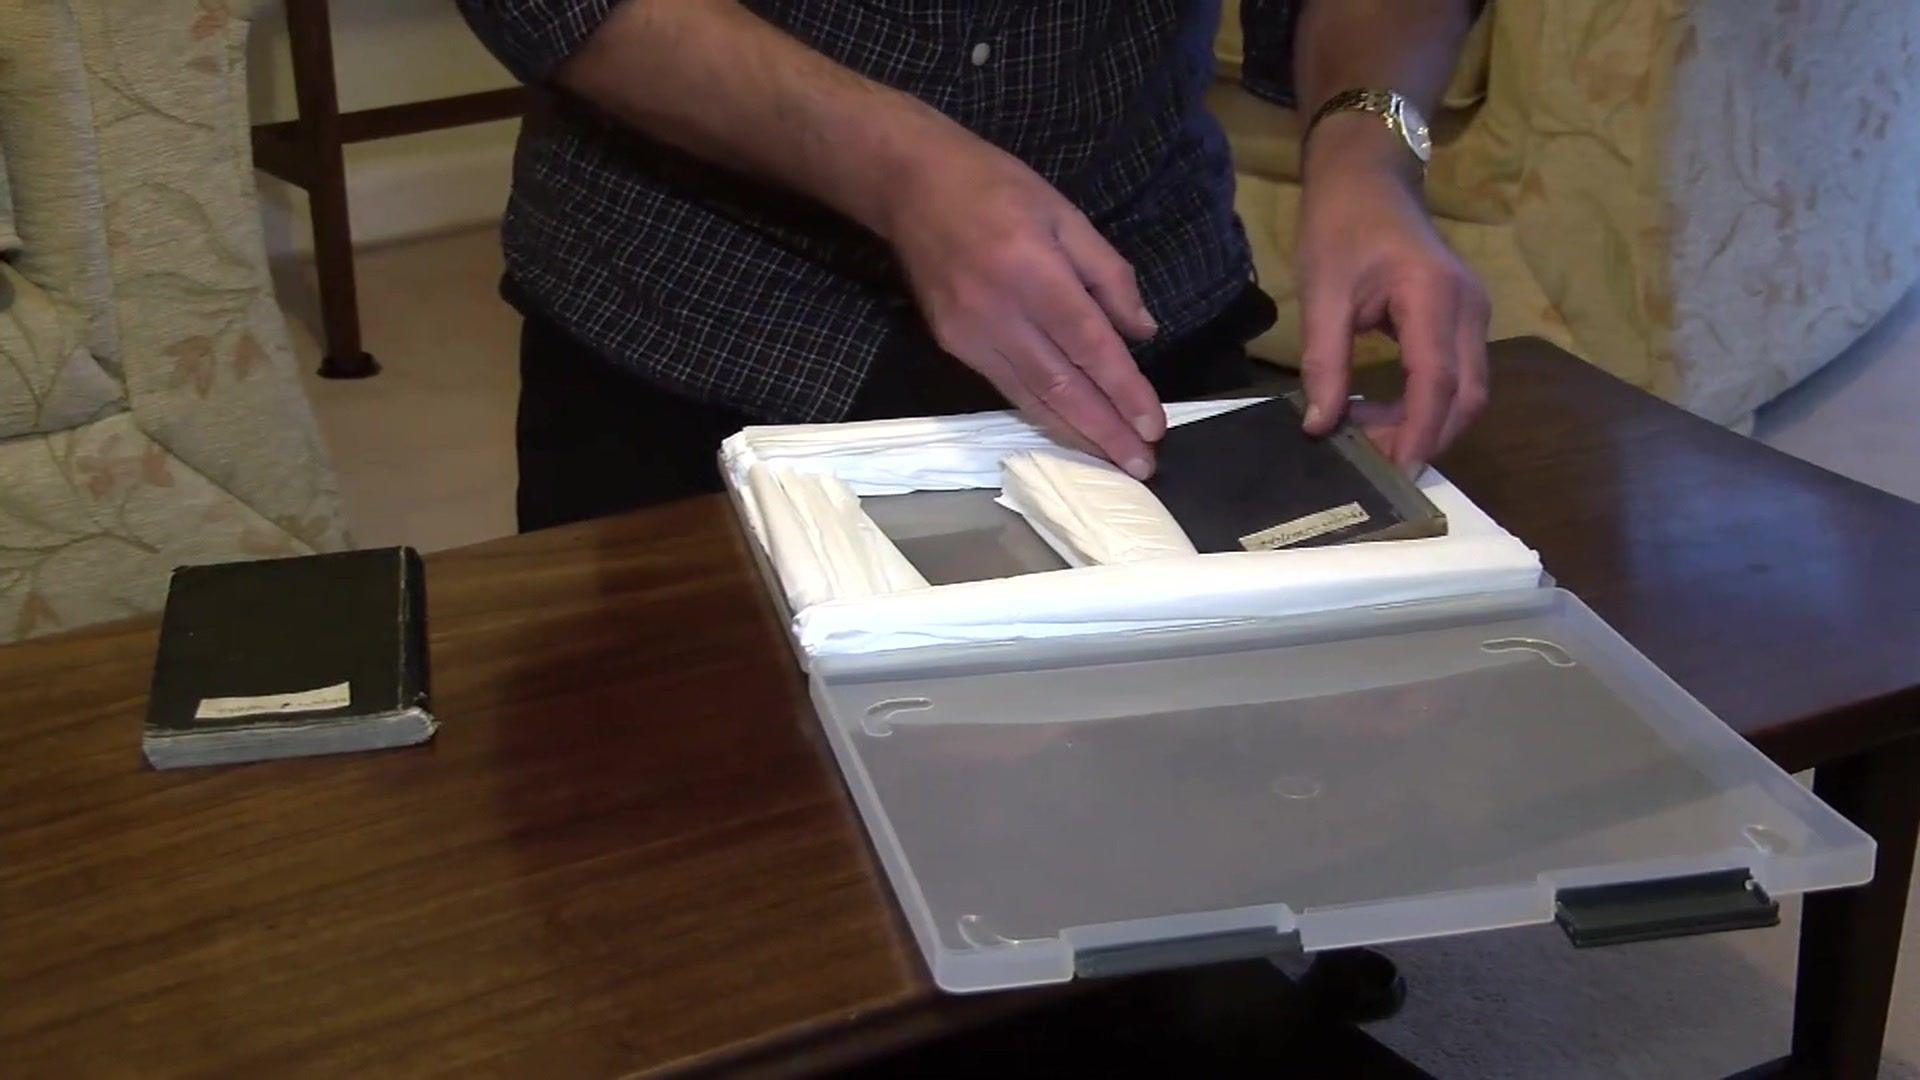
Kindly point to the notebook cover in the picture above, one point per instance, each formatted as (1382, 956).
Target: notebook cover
(1251, 480)
(290, 643)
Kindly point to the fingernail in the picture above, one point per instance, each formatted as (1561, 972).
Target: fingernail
(1314, 413)
(1147, 429)
(1147, 320)
(1139, 468)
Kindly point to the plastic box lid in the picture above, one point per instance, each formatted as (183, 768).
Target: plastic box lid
(1122, 802)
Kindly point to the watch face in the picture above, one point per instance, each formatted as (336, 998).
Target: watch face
(1414, 126)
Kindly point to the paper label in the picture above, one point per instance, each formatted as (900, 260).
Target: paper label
(339, 695)
(1288, 533)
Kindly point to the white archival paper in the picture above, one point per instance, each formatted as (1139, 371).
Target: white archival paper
(826, 547)
(888, 457)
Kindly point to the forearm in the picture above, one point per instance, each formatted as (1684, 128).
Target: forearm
(1404, 45)
(716, 80)
(1367, 254)
(1010, 277)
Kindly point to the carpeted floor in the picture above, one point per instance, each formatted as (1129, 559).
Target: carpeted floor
(425, 454)
(1860, 415)
(424, 450)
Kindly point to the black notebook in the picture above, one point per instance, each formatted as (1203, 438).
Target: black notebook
(1251, 480)
(289, 657)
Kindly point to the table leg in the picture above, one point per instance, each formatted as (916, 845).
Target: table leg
(1850, 940)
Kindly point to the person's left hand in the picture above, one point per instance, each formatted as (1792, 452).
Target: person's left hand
(1369, 259)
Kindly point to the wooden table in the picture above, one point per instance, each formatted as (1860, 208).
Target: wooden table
(628, 852)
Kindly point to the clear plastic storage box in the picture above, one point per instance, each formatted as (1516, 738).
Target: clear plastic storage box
(1123, 802)
(1241, 762)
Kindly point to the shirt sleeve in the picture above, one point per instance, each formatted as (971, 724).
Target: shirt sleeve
(532, 37)
(1266, 36)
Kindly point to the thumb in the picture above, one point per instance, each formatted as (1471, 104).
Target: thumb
(1326, 357)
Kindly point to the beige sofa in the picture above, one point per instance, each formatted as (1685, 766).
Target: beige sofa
(1708, 198)
(150, 412)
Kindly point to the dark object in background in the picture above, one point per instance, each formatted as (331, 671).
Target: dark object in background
(1251, 480)
(290, 657)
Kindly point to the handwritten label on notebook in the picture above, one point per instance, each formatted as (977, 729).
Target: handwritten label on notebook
(337, 696)
(1289, 533)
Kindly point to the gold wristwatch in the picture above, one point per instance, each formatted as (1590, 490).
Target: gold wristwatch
(1400, 115)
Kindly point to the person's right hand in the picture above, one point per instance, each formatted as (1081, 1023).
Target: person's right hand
(1016, 283)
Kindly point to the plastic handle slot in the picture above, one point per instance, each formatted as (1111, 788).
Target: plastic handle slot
(1545, 650)
(1615, 914)
(878, 720)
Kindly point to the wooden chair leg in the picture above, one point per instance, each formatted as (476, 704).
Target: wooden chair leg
(310, 35)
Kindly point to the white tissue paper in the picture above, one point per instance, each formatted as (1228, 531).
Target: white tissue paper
(841, 606)
(826, 547)
(1089, 511)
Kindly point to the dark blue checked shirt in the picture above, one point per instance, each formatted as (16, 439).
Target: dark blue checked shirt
(734, 293)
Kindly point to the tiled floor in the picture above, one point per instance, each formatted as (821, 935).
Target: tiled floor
(425, 455)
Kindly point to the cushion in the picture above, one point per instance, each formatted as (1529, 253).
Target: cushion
(55, 317)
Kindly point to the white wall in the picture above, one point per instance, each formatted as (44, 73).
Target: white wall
(389, 51)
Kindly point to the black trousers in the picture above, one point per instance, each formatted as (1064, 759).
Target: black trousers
(595, 439)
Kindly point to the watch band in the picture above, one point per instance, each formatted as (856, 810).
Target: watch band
(1390, 106)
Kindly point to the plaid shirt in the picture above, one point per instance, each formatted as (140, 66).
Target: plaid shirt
(731, 292)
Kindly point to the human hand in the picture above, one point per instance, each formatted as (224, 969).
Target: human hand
(1016, 283)
(1369, 258)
